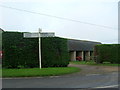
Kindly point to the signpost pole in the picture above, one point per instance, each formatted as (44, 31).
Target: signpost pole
(39, 35)
(39, 47)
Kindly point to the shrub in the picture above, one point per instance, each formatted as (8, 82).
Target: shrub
(54, 52)
(23, 52)
(107, 53)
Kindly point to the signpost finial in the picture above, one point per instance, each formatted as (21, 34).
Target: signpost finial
(40, 30)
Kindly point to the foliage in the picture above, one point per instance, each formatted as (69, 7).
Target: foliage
(107, 53)
(94, 63)
(54, 52)
(19, 52)
(83, 62)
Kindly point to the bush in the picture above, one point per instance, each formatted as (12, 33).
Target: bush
(19, 52)
(54, 52)
(107, 53)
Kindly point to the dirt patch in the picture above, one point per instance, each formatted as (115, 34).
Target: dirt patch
(88, 69)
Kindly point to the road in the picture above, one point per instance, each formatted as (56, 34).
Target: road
(82, 79)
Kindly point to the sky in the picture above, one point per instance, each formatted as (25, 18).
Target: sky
(94, 20)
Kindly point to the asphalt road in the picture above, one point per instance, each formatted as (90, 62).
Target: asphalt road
(77, 80)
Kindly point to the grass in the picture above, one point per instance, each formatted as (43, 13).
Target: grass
(93, 63)
(33, 72)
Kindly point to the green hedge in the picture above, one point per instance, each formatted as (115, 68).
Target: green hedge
(54, 52)
(19, 52)
(107, 53)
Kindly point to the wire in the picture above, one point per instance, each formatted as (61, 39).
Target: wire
(63, 18)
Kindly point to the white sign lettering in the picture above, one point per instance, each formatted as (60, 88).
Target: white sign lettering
(35, 35)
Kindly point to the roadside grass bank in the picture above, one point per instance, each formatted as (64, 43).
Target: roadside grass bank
(94, 63)
(36, 72)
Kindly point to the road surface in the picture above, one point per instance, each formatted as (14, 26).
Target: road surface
(89, 77)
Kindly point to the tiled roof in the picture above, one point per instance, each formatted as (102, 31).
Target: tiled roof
(81, 45)
(1, 29)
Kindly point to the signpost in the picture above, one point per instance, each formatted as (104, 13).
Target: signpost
(39, 35)
(39, 48)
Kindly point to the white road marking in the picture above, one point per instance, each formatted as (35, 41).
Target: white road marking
(108, 86)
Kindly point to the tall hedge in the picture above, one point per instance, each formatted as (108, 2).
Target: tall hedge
(54, 52)
(107, 53)
(19, 52)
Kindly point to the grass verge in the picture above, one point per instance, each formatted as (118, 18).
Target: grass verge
(93, 63)
(33, 72)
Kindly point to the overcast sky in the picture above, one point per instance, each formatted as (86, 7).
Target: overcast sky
(95, 20)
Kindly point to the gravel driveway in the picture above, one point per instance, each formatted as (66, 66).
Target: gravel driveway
(89, 69)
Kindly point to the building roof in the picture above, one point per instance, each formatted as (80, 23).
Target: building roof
(1, 30)
(81, 45)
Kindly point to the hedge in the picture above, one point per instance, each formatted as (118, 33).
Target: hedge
(107, 53)
(54, 52)
(19, 52)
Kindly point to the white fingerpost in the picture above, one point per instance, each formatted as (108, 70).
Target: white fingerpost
(39, 35)
(39, 32)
